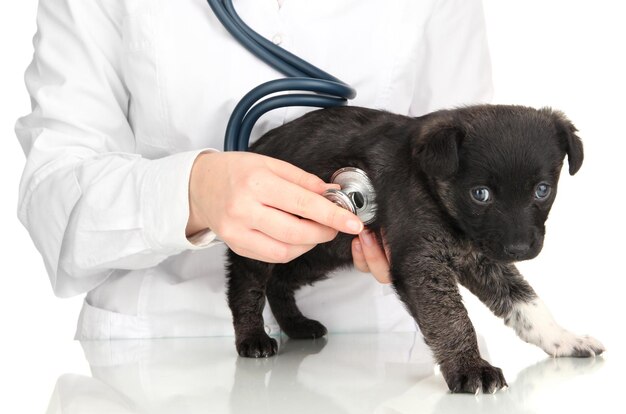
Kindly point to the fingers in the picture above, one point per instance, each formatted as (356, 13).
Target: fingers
(290, 229)
(293, 199)
(287, 196)
(358, 257)
(369, 256)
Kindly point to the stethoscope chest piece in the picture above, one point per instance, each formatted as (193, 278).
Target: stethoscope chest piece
(356, 195)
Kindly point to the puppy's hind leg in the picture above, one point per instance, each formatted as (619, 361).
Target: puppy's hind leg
(247, 280)
(503, 289)
(285, 280)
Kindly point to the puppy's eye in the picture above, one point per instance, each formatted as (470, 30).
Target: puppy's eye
(482, 195)
(542, 191)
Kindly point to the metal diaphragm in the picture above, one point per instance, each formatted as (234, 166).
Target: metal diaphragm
(357, 193)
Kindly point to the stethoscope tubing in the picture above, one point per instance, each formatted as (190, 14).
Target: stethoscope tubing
(238, 136)
(301, 76)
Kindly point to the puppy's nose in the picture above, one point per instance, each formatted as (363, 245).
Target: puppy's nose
(517, 250)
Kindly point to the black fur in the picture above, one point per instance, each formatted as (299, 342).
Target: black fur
(423, 170)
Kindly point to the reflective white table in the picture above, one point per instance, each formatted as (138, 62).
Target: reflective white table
(365, 373)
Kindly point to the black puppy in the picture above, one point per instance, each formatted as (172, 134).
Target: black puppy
(461, 195)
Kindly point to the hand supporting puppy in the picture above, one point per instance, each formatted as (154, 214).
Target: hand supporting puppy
(369, 257)
(263, 208)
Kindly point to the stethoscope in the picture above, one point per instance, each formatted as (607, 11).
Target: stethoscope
(357, 192)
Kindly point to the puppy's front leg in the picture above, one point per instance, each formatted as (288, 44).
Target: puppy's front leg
(247, 280)
(429, 289)
(503, 289)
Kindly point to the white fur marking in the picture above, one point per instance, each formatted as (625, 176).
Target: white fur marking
(533, 322)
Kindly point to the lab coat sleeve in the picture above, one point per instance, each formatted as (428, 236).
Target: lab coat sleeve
(455, 66)
(90, 204)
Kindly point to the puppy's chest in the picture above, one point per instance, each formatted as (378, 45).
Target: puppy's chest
(449, 250)
(449, 253)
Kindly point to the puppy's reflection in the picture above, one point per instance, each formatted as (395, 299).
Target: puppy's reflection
(522, 397)
(272, 385)
(344, 374)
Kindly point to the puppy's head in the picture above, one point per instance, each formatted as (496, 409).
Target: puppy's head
(495, 171)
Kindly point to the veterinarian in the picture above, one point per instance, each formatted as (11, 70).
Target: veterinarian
(126, 194)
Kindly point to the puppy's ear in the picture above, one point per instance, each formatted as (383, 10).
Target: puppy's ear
(436, 146)
(569, 141)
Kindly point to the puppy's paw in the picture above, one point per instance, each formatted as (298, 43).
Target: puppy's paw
(257, 346)
(303, 328)
(473, 377)
(566, 344)
(534, 324)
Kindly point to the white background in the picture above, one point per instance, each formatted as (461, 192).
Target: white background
(567, 54)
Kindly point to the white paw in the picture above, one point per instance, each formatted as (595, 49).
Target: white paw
(566, 344)
(534, 324)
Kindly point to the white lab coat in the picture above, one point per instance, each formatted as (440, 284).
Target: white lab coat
(125, 94)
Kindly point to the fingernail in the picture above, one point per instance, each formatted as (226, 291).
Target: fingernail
(333, 186)
(355, 226)
(367, 237)
(358, 247)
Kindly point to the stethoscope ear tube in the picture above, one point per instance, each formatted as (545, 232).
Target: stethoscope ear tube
(302, 76)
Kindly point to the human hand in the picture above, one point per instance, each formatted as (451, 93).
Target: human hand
(369, 257)
(263, 208)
